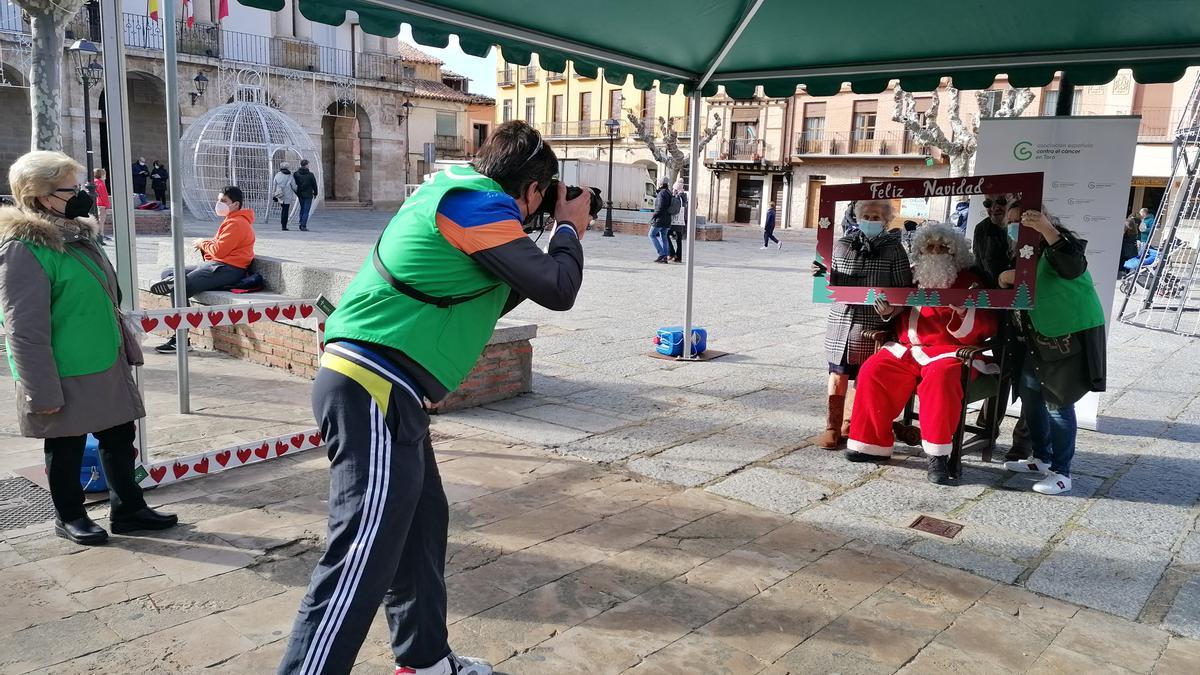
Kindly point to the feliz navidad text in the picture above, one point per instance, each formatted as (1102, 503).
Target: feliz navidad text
(930, 188)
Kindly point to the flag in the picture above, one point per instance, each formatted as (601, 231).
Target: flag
(153, 7)
(223, 10)
(189, 16)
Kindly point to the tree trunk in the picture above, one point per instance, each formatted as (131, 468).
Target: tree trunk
(960, 164)
(45, 91)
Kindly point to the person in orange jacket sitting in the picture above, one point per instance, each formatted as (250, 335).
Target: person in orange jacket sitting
(227, 256)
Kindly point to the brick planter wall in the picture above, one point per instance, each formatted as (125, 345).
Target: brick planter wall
(144, 222)
(505, 369)
(703, 232)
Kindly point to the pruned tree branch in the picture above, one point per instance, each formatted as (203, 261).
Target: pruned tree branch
(669, 153)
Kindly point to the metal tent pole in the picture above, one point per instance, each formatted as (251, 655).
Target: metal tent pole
(173, 165)
(116, 122)
(693, 171)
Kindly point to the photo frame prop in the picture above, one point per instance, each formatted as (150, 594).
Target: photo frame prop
(1020, 296)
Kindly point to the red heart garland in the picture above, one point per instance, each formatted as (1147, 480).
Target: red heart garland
(290, 312)
(321, 326)
(223, 457)
(172, 321)
(252, 315)
(262, 450)
(180, 469)
(298, 440)
(306, 310)
(314, 440)
(235, 315)
(272, 313)
(214, 318)
(148, 323)
(158, 473)
(280, 448)
(195, 318)
(201, 466)
(243, 455)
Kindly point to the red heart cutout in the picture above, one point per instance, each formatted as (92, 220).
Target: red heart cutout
(172, 321)
(306, 310)
(314, 440)
(180, 469)
(158, 473)
(290, 311)
(262, 450)
(252, 316)
(214, 318)
(281, 447)
(235, 315)
(223, 457)
(148, 324)
(244, 454)
(321, 326)
(298, 440)
(195, 318)
(272, 313)
(201, 466)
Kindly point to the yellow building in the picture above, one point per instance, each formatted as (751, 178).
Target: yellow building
(570, 111)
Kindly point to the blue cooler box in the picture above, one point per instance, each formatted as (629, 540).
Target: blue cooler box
(669, 341)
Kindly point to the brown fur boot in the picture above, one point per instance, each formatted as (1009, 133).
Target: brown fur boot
(833, 424)
(846, 415)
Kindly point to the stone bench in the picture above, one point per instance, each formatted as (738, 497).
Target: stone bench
(504, 370)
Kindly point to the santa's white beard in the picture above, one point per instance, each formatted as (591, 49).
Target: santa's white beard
(935, 270)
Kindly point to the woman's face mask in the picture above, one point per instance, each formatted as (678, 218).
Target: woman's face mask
(871, 228)
(78, 205)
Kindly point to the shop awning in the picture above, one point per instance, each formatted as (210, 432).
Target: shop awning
(779, 44)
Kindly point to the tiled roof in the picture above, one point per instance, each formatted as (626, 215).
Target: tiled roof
(438, 91)
(413, 55)
(452, 75)
(480, 99)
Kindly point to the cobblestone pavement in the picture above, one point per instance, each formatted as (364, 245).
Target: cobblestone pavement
(556, 566)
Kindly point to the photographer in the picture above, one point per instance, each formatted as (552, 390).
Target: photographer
(410, 327)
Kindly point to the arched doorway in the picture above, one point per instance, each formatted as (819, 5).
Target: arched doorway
(147, 117)
(17, 129)
(346, 151)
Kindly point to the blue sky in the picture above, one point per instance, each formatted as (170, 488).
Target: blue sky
(482, 71)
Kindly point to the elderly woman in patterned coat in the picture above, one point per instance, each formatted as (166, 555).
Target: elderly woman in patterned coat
(873, 256)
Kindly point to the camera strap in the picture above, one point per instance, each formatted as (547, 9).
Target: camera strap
(442, 302)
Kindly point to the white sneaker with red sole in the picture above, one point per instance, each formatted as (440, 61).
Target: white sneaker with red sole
(1053, 484)
(1028, 466)
(451, 665)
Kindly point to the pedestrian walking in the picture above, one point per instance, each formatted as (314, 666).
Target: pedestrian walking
(660, 221)
(391, 345)
(69, 350)
(283, 192)
(306, 192)
(158, 181)
(769, 228)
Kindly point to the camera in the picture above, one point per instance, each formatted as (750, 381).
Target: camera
(536, 221)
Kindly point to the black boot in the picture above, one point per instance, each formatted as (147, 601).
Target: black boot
(81, 531)
(856, 456)
(143, 519)
(939, 471)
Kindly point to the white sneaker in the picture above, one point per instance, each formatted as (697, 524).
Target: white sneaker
(779, 244)
(1028, 466)
(765, 247)
(451, 665)
(1053, 484)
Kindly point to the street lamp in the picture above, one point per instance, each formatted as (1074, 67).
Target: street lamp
(90, 71)
(201, 83)
(406, 111)
(614, 125)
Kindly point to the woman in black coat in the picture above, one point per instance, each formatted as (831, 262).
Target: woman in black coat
(158, 180)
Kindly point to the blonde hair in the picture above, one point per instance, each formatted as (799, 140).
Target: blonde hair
(99, 173)
(35, 174)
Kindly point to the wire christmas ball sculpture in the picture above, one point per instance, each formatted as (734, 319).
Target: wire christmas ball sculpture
(243, 143)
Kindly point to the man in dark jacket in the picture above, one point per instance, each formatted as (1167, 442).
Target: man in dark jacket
(140, 175)
(660, 222)
(306, 191)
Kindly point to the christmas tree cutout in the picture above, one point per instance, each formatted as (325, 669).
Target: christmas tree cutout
(1022, 299)
(917, 298)
(874, 296)
(982, 300)
(969, 303)
(935, 300)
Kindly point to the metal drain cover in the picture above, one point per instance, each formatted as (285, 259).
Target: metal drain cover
(23, 503)
(942, 528)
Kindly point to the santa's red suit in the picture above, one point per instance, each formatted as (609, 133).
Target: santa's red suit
(922, 358)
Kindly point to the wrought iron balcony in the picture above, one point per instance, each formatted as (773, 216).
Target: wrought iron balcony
(505, 78)
(889, 143)
(580, 129)
(743, 149)
(555, 75)
(528, 74)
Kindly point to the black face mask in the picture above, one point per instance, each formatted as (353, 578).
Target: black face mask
(79, 205)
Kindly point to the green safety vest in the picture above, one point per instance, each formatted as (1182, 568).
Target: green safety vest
(446, 341)
(83, 326)
(1064, 306)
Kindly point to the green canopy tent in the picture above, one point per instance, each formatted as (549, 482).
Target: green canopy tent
(702, 45)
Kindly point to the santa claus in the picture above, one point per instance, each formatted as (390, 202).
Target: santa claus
(922, 358)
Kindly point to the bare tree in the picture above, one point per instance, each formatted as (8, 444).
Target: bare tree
(669, 153)
(961, 150)
(47, 21)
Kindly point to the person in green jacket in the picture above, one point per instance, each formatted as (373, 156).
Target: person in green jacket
(406, 332)
(69, 352)
(1064, 350)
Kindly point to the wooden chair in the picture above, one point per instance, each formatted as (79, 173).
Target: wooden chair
(991, 390)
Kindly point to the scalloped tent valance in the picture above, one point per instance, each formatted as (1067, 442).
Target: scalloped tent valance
(780, 44)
